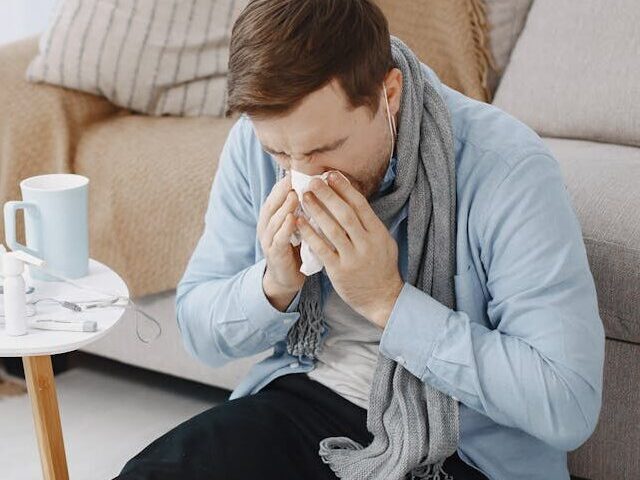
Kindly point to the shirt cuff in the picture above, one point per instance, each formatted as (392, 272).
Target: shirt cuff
(258, 310)
(415, 325)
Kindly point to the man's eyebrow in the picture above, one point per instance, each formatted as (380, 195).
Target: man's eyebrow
(324, 148)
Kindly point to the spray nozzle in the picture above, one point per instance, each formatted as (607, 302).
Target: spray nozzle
(13, 262)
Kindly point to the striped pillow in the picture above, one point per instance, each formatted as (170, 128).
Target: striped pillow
(151, 56)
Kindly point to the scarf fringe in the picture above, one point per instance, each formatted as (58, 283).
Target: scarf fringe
(334, 449)
(433, 471)
(331, 445)
(305, 338)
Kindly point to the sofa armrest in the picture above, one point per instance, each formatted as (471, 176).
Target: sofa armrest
(40, 124)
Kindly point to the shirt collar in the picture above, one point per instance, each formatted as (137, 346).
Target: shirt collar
(389, 177)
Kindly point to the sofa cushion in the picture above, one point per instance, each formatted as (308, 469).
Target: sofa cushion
(150, 179)
(603, 182)
(574, 71)
(150, 56)
(505, 19)
(612, 450)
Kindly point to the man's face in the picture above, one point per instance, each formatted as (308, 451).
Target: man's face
(321, 134)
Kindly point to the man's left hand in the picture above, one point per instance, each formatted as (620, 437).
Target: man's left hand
(363, 267)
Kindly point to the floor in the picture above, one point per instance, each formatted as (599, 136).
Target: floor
(109, 412)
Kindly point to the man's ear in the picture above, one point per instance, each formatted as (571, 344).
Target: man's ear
(393, 83)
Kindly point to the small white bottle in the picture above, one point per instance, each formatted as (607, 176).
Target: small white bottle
(15, 299)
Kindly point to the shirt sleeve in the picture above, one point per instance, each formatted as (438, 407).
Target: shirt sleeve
(222, 310)
(538, 364)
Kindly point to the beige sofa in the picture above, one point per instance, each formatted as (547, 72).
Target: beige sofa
(104, 142)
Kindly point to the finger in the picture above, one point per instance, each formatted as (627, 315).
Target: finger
(340, 209)
(329, 226)
(360, 205)
(319, 246)
(275, 223)
(273, 201)
(282, 238)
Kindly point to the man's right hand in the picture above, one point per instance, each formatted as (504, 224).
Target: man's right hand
(282, 278)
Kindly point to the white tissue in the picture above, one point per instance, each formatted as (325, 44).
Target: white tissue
(310, 262)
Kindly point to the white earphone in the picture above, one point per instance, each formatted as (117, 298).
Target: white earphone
(392, 124)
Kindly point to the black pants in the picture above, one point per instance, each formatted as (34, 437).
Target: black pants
(273, 434)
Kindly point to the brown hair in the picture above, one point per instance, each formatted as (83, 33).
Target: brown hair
(283, 50)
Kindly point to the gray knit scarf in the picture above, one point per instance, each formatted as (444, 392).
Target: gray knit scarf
(415, 426)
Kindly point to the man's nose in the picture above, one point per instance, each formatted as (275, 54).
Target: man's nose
(302, 164)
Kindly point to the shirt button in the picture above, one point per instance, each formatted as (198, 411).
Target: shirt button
(294, 364)
(286, 320)
(400, 359)
(455, 398)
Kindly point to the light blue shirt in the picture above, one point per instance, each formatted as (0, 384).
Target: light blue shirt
(523, 350)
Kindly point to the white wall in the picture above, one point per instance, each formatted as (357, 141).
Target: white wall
(22, 18)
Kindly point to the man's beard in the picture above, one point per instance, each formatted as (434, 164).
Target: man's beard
(371, 185)
(372, 180)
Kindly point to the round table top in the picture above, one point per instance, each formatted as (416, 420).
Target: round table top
(48, 342)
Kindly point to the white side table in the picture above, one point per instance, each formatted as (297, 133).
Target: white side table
(37, 346)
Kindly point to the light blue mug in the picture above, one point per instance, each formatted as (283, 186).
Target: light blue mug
(56, 223)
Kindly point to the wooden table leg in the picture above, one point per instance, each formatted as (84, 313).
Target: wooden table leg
(46, 416)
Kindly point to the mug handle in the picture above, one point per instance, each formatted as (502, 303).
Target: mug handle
(10, 209)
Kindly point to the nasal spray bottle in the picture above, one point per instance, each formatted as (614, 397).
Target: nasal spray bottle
(15, 298)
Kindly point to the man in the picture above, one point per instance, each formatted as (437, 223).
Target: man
(509, 371)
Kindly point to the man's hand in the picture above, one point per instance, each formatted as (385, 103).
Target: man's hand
(282, 278)
(363, 268)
